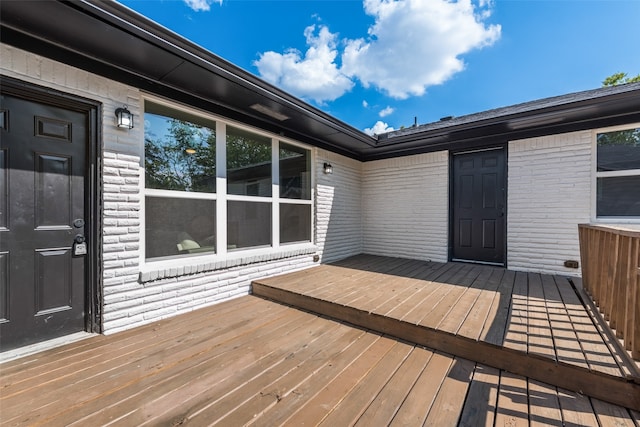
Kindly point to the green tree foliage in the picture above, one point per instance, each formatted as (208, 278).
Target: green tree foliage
(183, 159)
(619, 150)
(245, 149)
(619, 79)
(621, 137)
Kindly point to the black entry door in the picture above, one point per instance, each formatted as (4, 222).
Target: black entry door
(42, 211)
(479, 199)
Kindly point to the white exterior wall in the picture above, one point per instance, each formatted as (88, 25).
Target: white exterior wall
(394, 207)
(338, 206)
(406, 206)
(134, 294)
(549, 194)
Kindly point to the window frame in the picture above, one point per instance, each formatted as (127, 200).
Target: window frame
(609, 174)
(221, 195)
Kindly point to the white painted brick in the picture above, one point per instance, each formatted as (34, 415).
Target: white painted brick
(549, 195)
(338, 207)
(405, 206)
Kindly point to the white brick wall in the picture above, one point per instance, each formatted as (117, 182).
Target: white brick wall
(405, 206)
(338, 206)
(137, 303)
(129, 301)
(549, 195)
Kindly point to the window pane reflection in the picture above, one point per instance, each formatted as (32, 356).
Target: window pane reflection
(295, 176)
(176, 226)
(619, 150)
(618, 196)
(180, 150)
(295, 223)
(248, 224)
(248, 163)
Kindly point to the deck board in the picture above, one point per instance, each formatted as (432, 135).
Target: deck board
(315, 409)
(565, 339)
(512, 408)
(539, 329)
(423, 394)
(449, 401)
(482, 398)
(544, 404)
(255, 361)
(356, 401)
(576, 409)
(384, 407)
(495, 325)
(474, 323)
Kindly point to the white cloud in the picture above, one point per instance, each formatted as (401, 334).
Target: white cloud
(379, 128)
(386, 111)
(365, 104)
(201, 5)
(315, 76)
(415, 44)
(412, 45)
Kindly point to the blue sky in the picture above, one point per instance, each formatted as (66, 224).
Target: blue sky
(377, 64)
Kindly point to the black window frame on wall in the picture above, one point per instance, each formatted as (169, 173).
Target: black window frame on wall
(617, 173)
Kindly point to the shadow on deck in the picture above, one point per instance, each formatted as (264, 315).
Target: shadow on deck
(528, 324)
(253, 361)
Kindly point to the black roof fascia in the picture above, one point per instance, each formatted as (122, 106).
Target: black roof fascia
(161, 62)
(595, 108)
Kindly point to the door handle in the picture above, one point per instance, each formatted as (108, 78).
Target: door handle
(79, 245)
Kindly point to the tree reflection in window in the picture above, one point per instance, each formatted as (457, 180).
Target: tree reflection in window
(619, 150)
(179, 155)
(618, 174)
(295, 172)
(248, 163)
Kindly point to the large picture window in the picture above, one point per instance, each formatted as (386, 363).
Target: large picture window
(618, 173)
(263, 187)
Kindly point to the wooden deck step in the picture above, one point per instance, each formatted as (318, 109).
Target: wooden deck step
(531, 325)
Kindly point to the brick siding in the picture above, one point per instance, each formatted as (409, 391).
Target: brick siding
(405, 206)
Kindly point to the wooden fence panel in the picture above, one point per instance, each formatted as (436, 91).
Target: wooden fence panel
(610, 258)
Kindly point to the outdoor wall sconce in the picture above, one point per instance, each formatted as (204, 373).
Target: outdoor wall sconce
(124, 118)
(328, 169)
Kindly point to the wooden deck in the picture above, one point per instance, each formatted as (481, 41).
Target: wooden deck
(530, 324)
(251, 361)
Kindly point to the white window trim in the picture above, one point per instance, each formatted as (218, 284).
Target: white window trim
(595, 175)
(174, 194)
(221, 197)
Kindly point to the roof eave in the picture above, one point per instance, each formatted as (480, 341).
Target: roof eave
(22, 27)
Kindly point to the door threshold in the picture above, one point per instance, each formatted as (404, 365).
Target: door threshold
(28, 350)
(471, 261)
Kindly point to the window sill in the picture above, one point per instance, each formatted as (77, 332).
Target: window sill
(185, 266)
(617, 220)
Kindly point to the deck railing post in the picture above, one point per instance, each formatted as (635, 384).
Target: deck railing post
(610, 259)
